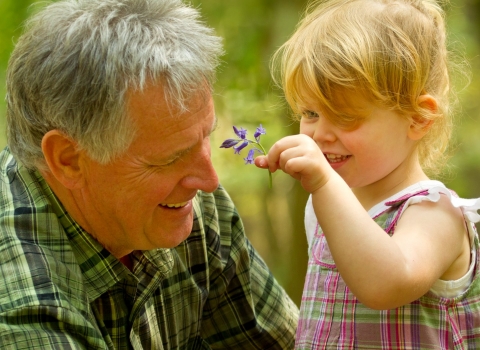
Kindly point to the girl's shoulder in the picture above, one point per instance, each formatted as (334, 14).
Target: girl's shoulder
(432, 191)
(390, 210)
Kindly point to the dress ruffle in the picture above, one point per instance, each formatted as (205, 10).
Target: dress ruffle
(469, 207)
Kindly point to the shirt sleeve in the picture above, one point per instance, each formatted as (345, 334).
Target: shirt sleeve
(34, 312)
(43, 328)
(42, 301)
(246, 307)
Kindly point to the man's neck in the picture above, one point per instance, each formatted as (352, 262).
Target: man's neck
(127, 261)
(71, 204)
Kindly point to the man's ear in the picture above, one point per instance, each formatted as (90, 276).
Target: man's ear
(63, 158)
(420, 125)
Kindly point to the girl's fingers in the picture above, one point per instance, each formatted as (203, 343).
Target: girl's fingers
(294, 146)
(261, 162)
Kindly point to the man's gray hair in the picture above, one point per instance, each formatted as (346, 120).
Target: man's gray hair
(77, 59)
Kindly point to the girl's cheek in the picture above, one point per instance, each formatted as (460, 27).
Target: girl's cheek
(306, 129)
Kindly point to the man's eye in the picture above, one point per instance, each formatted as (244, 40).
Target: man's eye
(309, 114)
(159, 167)
(171, 162)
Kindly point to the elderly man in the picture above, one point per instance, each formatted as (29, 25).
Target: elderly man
(114, 232)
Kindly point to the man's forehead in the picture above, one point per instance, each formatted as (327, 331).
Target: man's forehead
(154, 98)
(155, 118)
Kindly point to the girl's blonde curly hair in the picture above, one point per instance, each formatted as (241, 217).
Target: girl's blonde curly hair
(393, 51)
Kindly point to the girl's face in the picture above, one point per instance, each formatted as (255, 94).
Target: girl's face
(378, 149)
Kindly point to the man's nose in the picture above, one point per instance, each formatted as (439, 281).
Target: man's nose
(203, 176)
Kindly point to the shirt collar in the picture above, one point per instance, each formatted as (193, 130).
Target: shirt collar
(101, 270)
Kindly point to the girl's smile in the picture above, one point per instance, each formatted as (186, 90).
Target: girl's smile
(369, 154)
(336, 158)
(336, 161)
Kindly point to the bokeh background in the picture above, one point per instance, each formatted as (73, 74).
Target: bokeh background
(245, 96)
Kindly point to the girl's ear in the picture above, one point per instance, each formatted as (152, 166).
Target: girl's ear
(420, 125)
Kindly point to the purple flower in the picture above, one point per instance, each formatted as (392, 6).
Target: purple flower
(242, 133)
(229, 143)
(260, 131)
(249, 159)
(238, 148)
(259, 150)
(242, 142)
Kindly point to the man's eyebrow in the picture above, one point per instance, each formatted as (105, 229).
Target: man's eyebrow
(182, 152)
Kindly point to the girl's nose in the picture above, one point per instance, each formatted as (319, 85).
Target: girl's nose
(324, 131)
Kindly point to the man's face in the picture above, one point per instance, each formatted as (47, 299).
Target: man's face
(143, 199)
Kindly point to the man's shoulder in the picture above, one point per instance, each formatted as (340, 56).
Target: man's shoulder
(37, 265)
(38, 269)
(26, 212)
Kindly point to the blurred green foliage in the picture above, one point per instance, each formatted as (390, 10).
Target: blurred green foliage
(245, 96)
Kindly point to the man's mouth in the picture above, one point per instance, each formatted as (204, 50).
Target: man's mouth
(174, 206)
(335, 158)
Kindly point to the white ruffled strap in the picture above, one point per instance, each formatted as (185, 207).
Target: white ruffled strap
(469, 207)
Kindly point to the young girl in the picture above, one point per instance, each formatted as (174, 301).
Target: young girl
(394, 256)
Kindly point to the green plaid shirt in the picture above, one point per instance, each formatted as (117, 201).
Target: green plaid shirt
(60, 289)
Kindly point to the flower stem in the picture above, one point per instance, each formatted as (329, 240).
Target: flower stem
(265, 153)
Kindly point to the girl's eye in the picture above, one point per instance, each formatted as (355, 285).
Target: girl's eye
(309, 114)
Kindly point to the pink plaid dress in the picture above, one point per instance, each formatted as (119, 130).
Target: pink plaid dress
(332, 318)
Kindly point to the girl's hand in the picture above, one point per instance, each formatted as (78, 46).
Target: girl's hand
(300, 157)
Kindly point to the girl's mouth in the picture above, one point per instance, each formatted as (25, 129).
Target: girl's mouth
(336, 158)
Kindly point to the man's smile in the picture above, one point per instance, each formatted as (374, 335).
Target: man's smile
(171, 206)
